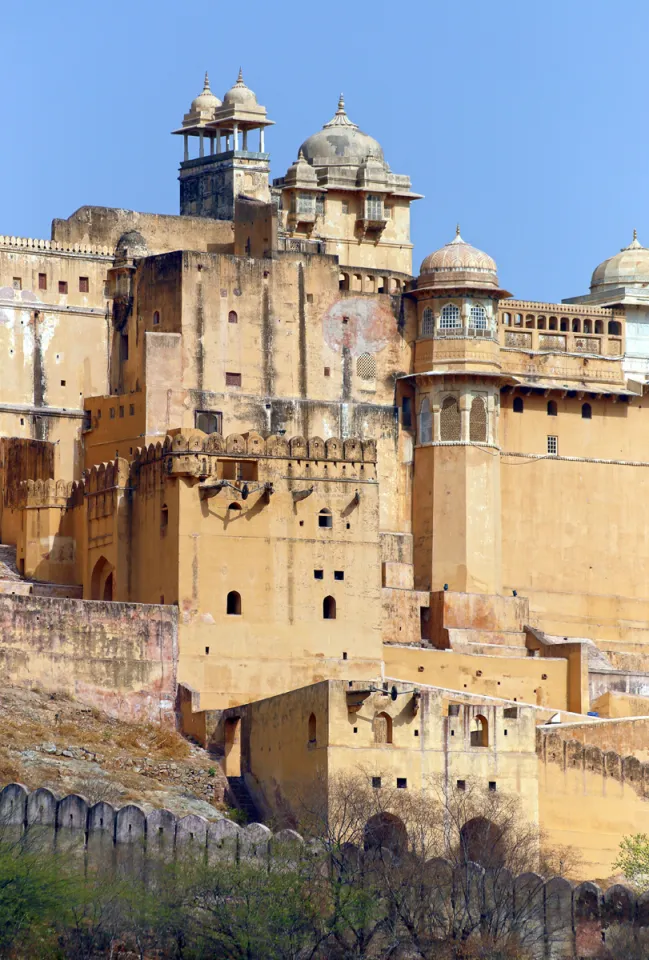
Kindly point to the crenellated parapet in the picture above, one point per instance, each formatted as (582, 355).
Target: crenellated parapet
(43, 493)
(54, 246)
(571, 754)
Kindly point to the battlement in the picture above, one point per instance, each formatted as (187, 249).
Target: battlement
(54, 246)
(552, 747)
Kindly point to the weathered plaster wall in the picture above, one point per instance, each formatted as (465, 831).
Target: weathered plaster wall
(120, 657)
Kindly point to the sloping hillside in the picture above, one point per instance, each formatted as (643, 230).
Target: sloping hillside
(49, 740)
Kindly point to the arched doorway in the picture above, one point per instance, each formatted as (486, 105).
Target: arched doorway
(388, 831)
(102, 581)
(482, 842)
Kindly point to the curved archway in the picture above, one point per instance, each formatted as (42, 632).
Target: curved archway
(479, 731)
(586, 411)
(382, 728)
(329, 608)
(233, 607)
(478, 420)
(102, 582)
(325, 518)
(449, 420)
(481, 841)
(518, 405)
(387, 831)
(552, 408)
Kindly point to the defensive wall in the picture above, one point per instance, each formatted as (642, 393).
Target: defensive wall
(563, 920)
(120, 657)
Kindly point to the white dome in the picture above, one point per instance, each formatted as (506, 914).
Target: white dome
(205, 102)
(629, 266)
(240, 94)
(341, 142)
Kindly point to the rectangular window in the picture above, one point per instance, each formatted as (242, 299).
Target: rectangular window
(87, 419)
(376, 782)
(461, 785)
(345, 206)
(320, 206)
(492, 786)
(209, 421)
(327, 371)
(339, 574)
(454, 709)
(112, 413)
(373, 208)
(406, 412)
(17, 283)
(42, 281)
(63, 286)
(553, 445)
(233, 379)
(121, 411)
(84, 285)
(131, 409)
(305, 203)
(387, 212)
(318, 574)
(402, 783)
(511, 713)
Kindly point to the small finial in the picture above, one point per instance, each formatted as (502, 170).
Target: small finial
(300, 155)
(240, 77)
(635, 234)
(457, 230)
(206, 83)
(341, 104)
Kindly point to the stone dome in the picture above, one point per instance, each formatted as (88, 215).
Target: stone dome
(341, 142)
(131, 246)
(205, 102)
(629, 266)
(240, 94)
(301, 172)
(458, 264)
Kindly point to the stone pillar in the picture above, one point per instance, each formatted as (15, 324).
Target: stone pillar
(436, 420)
(465, 312)
(218, 140)
(261, 139)
(465, 410)
(244, 145)
(186, 139)
(235, 135)
(211, 145)
(201, 147)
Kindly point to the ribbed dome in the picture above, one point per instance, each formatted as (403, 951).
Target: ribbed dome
(240, 94)
(458, 263)
(629, 266)
(340, 141)
(131, 246)
(205, 102)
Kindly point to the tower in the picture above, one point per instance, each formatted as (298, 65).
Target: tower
(227, 165)
(456, 495)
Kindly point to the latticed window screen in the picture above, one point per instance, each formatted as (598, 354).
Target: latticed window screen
(366, 366)
(450, 318)
(374, 208)
(478, 420)
(479, 317)
(449, 420)
(305, 203)
(425, 422)
(427, 323)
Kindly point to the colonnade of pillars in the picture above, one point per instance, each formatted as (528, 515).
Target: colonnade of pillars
(223, 141)
(430, 412)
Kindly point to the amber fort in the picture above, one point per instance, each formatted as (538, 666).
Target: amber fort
(325, 509)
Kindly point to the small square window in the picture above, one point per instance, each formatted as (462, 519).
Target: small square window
(553, 446)
(84, 285)
(62, 383)
(376, 782)
(505, 732)
(233, 379)
(17, 283)
(416, 733)
(339, 574)
(207, 649)
(63, 286)
(309, 298)
(461, 785)
(454, 709)
(511, 713)
(355, 729)
(492, 786)
(327, 371)
(42, 281)
(318, 574)
(344, 654)
(402, 783)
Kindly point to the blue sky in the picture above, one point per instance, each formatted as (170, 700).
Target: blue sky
(526, 122)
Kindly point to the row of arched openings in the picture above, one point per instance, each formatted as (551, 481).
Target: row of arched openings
(233, 605)
(450, 421)
(552, 409)
(450, 319)
(562, 324)
(481, 841)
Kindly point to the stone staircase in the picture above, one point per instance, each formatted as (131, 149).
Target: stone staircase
(239, 797)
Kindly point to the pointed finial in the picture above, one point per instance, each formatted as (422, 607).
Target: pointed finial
(300, 155)
(457, 230)
(240, 77)
(635, 234)
(206, 83)
(341, 104)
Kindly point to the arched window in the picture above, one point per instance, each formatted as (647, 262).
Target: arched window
(478, 420)
(233, 607)
(325, 518)
(366, 366)
(427, 323)
(425, 422)
(449, 419)
(507, 319)
(540, 323)
(552, 408)
(343, 281)
(382, 728)
(232, 317)
(614, 328)
(481, 841)
(563, 324)
(328, 608)
(479, 732)
(234, 508)
(586, 411)
(479, 317)
(576, 325)
(386, 831)
(450, 318)
(518, 405)
(312, 728)
(156, 318)
(599, 326)
(530, 321)
(588, 327)
(553, 324)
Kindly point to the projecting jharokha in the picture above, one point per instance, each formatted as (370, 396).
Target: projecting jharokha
(330, 511)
